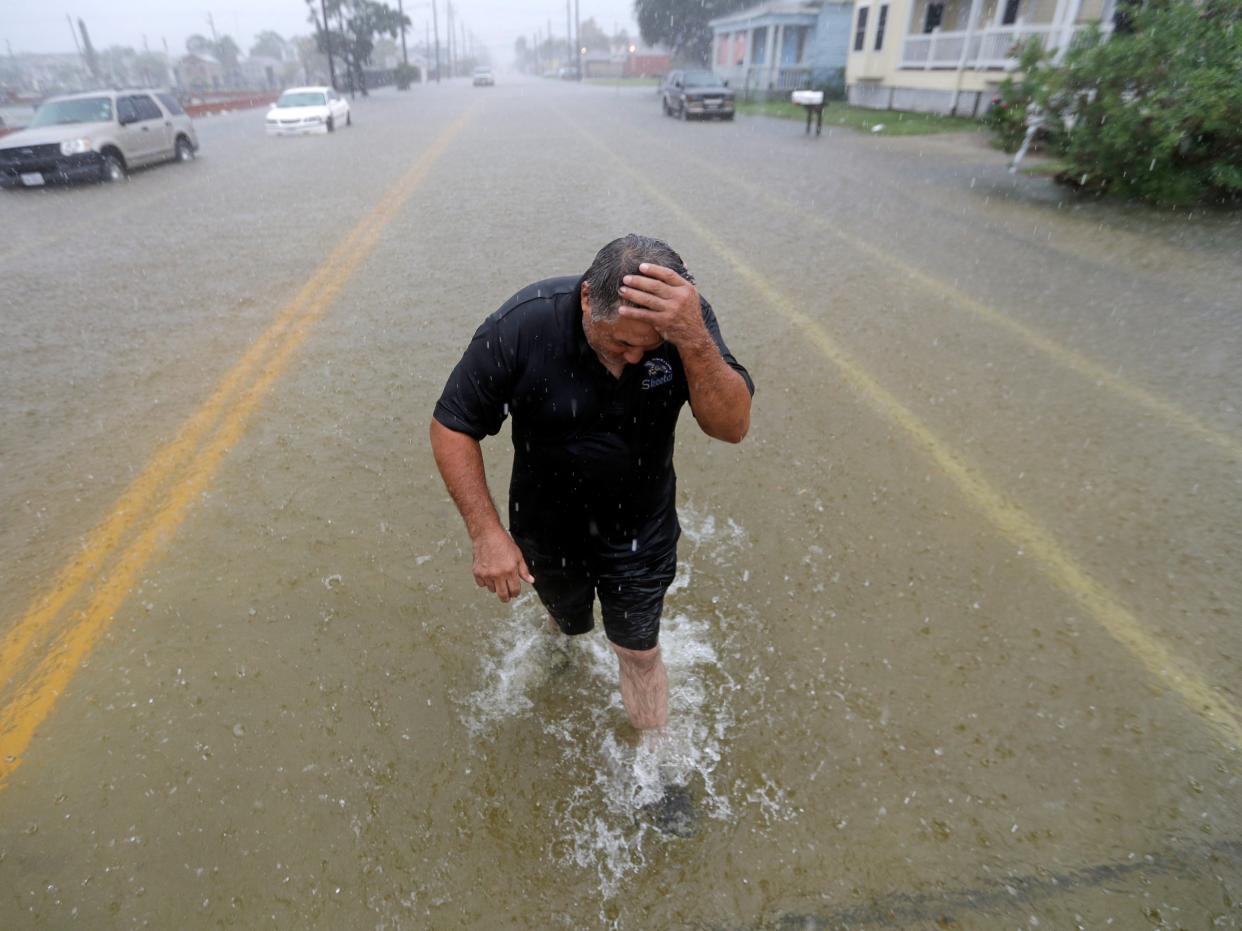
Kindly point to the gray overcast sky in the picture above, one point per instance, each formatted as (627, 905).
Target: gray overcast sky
(35, 27)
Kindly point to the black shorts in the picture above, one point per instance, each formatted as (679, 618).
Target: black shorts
(631, 595)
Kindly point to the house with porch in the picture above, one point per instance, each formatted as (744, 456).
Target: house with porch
(780, 46)
(950, 56)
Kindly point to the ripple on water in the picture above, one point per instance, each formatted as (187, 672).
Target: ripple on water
(603, 827)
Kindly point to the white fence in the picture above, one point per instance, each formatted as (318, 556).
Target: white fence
(993, 47)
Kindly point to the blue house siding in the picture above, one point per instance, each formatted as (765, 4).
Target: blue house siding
(810, 44)
(831, 44)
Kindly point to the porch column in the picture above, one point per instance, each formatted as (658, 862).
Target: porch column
(901, 56)
(1055, 34)
(970, 31)
(996, 24)
(961, 60)
(1067, 31)
(914, 5)
(769, 59)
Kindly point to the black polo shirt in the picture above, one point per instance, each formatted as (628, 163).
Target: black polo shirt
(593, 455)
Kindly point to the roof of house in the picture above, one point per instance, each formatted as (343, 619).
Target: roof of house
(774, 8)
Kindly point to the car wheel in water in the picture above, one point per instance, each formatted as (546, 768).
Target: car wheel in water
(185, 151)
(331, 125)
(111, 169)
(682, 114)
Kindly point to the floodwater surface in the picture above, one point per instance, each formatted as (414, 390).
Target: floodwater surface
(953, 640)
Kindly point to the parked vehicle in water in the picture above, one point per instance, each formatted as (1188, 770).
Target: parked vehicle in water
(97, 136)
(483, 77)
(687, 94)
(303, 110)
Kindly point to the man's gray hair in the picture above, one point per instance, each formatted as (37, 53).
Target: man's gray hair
(622, 257)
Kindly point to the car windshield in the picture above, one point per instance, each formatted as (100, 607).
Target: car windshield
(701, 79)
(301, 99)
(64, 112)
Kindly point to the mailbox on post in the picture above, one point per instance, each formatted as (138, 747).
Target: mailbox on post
(813, 103)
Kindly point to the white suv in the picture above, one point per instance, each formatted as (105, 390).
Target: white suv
(96, 136)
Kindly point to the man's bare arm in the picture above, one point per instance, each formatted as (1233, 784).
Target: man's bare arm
(498, 563)
(719, 397)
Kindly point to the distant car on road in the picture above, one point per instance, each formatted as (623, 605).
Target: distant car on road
(483, 77)
(302, 110)
(696, 93)
(568, 73)
(96, 136)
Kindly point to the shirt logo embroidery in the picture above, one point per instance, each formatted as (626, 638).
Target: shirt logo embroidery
(659, 372)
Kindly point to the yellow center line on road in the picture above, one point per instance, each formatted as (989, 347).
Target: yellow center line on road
(957, 298)
(1178, 674)
(35, 696)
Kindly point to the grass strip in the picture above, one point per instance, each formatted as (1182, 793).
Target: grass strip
(864, 119)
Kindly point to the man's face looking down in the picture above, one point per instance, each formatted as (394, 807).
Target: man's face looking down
(618, 342)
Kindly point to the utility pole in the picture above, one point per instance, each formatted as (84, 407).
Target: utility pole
(76, 44)
(578, 40)
(212, 23)
(435, 23)
(405, 56)
(569, 36)
(449, 39)
(327, 41)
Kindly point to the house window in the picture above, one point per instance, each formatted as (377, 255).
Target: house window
(1011, 13)
(793, 45)
(722, 49)
(880, 23)
(935, 15)
(739, 48)
(860, 30)
(759, 46)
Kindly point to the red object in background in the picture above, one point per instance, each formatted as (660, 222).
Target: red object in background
(637, 66)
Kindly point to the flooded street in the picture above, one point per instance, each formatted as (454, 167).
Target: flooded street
(954, 639)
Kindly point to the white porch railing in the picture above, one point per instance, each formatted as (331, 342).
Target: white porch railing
(991, 48)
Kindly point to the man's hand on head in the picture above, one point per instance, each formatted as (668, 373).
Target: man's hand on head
(499, 566)
(662, 298)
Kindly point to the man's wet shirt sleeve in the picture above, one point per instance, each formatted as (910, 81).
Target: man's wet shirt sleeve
(713, 327)
(476, 397)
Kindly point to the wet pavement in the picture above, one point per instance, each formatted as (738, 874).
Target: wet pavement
(954, 639)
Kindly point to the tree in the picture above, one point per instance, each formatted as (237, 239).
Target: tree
(358, 23)
(682, 24)
(269, 44)
(114, 65)
(590, 36)
(1152, 114)
(198, 45)
(313, 62)
(152, 68)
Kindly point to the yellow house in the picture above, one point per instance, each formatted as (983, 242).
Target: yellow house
(949, 56)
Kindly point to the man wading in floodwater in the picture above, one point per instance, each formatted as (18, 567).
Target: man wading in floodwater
(594, 371)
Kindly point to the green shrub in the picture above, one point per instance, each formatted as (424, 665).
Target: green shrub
(1006, 117)
(405, 75)
(1154, 114)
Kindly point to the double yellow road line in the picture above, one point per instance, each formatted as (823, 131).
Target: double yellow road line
(38, 657)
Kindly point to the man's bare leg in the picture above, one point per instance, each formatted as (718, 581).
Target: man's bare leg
(644, 686)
